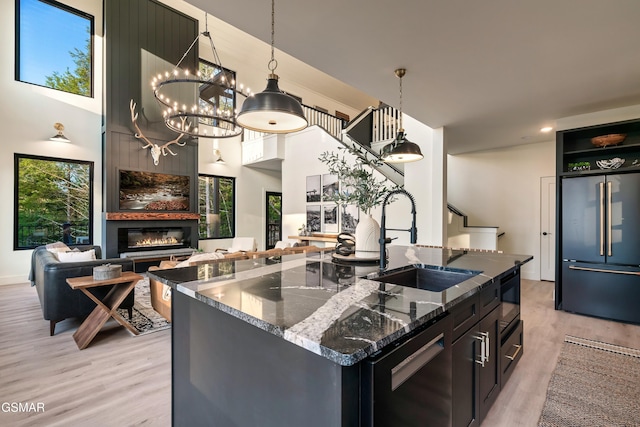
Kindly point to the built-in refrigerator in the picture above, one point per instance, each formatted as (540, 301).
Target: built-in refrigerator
(600, 246)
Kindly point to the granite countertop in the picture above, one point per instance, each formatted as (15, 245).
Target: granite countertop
(335, 310)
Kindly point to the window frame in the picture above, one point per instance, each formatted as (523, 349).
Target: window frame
(233, 215)
(16, 198)
(227, 72)
(65, 8)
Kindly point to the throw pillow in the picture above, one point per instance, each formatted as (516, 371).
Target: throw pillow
(73, 256)
(57, 247)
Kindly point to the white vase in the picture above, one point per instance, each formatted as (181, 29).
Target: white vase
(367, 237)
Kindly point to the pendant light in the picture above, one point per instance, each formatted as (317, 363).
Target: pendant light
(401, 150)
(272, 111)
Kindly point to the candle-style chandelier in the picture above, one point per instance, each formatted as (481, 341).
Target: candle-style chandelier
(200, 104)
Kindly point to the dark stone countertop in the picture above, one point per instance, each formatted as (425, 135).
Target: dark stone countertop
(331, 309)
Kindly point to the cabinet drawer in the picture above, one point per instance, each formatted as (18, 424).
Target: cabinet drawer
(465, 315)
(489, 298)
(511, 352)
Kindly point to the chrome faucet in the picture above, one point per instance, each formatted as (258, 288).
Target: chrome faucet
(383, 229)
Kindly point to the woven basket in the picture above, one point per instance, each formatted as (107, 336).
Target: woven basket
(611, 139)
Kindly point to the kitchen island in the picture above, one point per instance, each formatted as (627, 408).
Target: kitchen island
(294, 340)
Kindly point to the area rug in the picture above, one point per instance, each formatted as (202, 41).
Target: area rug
(593, 384)
(145, 319)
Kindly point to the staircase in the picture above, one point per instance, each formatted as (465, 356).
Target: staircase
(367, 133)
(461, 235)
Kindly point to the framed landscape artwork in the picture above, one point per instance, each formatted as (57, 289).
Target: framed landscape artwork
(330, 218)
(314, 218)
(313, 189)
(329, 187)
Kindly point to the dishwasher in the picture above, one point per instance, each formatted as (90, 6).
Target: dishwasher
(409, 383)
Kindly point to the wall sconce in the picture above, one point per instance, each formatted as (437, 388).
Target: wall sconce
(59, 136)
(217, 157)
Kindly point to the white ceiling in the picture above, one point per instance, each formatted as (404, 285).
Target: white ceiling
(493, 72)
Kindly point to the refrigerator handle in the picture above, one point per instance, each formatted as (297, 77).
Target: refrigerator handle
(609, 219)
(602, 219)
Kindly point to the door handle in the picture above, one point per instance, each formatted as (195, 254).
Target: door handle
(544, 233)
(609, 211)
(602, 219)
(600, 270)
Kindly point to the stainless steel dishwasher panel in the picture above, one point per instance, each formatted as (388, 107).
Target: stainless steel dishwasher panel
(410, 383)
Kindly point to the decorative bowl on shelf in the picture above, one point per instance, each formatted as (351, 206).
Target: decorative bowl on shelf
(606, 140)
(614, 163)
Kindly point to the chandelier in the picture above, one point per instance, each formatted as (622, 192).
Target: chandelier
(199, 104)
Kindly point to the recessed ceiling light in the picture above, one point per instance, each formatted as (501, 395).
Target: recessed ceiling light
(546, 129)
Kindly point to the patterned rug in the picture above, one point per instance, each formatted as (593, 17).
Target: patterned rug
(593, 384)
(145, 319)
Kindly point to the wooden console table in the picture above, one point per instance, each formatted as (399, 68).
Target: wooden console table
(106, 308)
(326, 238)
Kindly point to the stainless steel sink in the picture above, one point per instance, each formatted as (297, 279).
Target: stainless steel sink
(427, 278)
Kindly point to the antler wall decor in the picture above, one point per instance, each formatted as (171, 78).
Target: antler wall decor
(155, 149)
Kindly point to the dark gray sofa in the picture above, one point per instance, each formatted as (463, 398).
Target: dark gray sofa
(57, 299)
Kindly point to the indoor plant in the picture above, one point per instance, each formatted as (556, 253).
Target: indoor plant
(360, 187)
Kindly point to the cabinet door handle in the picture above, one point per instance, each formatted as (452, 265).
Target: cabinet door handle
(602, 219)
(601, 270)
(484, 336)
(515, 353)
(609, 211)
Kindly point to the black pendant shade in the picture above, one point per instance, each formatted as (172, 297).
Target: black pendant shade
(272, 111)
(401, 150)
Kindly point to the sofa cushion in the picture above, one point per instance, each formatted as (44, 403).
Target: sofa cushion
(77, 256)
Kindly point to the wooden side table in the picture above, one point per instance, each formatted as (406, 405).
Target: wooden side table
(106, 308)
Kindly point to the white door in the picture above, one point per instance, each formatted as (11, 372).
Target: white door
(548, 228)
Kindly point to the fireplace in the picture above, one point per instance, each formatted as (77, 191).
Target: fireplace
(131, 239)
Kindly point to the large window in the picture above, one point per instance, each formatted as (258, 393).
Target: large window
(216, 205)
(222, 101)
(54, 201)
(54, 46)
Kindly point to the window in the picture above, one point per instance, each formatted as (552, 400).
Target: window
(53, 201)
(54, 46)
(216, 205)
(211, 96)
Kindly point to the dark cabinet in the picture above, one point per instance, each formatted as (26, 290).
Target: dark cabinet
(511, 352)
(598, 222)
(411, 384)
(476, 367)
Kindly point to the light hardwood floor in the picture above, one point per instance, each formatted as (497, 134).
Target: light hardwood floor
(121, 380)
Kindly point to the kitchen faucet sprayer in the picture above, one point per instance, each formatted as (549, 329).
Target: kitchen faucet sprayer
(383, 235)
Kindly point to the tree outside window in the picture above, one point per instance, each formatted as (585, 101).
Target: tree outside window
(52, 196)
(216, 205)
(222, 101)
(58, 56)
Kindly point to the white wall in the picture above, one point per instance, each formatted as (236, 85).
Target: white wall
(28, 115)
(251, 186)
(302, 150)
(502, 188)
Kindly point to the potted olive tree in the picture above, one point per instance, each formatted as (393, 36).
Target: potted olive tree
(359, 186)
